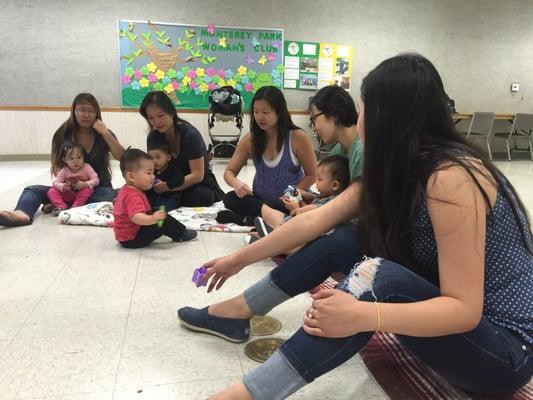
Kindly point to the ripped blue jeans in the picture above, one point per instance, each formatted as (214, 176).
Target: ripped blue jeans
(489, 359)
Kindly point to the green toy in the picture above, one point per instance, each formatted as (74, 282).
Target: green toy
(161, 221)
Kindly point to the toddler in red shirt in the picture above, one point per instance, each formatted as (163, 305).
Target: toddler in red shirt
(135, 225)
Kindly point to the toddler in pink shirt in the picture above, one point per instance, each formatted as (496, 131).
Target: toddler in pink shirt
(74, 183)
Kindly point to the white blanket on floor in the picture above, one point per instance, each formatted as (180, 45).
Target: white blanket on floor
(98, 214)
(204, 219)
(194, 218)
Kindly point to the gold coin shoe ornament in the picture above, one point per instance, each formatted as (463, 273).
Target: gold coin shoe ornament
(264, 325)
(261, 349)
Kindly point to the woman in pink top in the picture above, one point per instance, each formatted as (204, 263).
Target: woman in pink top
(75, 181)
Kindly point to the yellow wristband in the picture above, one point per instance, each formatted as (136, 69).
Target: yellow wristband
(378, 318)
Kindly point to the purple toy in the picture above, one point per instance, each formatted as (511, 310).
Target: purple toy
(197, 276)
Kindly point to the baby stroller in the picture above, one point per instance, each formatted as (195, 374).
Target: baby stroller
(225, 106)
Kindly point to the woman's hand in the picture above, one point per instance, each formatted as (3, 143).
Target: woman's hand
(334, 314)
(161, 187)
(100, 127)
(219, 270)
(242, 189)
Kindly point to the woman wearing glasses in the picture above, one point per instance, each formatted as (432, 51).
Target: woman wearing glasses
(282, 154)
(334, 118)
(85, 127)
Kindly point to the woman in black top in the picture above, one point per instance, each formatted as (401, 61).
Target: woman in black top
(200, 187)
(84, 126)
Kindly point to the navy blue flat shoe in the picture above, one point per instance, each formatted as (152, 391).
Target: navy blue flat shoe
(235, 330)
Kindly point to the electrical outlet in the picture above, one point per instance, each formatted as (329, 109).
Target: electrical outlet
(515, 87)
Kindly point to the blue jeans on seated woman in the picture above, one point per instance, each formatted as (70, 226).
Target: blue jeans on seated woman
(489, 359)
(33, 196)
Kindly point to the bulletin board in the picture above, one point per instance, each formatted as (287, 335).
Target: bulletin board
(312, 65)
(189, 61)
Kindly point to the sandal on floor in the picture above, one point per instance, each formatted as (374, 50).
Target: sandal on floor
(8, 219)
(47, 208)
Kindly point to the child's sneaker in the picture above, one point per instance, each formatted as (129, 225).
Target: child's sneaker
(262, 227)
(187, 236)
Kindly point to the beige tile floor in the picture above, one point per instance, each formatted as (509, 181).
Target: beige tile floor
(83, 319)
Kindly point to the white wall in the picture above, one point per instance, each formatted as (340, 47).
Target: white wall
(51, 50)
(30, 132)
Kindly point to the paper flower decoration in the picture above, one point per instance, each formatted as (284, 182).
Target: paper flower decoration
(169, 88)
(159, 74)
(211, 86)
(271, 57)
(152, 67)
(222, 42)
(249, 59)
(138, 74)
(144, 82)
(204, 87)
(242, 70)
(262, 60)
(126, 79)
(221, 73)
(175, 85)
(211, 71)
(200, 72)
(211, 29)
(191, 74)
(231, 82)
(171, 73)
(135, 85)
(186, 80)
(152, 78)
(248, 87)
(129, 71)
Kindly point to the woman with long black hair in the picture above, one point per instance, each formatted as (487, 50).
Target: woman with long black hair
(83, 126)
(451, 267)
(189, 153)
(281, 152)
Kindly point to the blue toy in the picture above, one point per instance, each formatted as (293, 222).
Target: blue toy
(293, 194)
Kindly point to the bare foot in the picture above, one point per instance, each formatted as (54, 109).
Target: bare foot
(236, 391)
(14, 218)
(233, 308)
